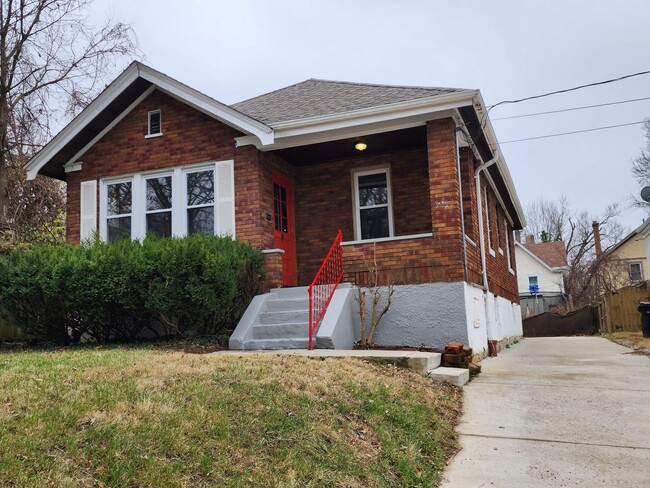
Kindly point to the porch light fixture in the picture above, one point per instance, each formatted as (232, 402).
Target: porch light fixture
(360, 145)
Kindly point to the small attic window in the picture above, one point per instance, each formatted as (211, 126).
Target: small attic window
(154, 124)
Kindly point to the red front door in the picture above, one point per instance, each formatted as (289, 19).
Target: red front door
(284, 232)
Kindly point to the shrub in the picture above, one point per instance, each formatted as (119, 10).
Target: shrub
(115, 292)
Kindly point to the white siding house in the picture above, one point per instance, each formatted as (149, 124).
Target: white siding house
(532, 270)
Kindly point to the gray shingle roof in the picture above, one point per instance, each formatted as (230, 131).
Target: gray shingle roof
(312, 98)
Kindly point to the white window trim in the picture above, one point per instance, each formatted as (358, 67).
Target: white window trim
(103, 204)
(508, 256)
(533, 276)
(487, 221)
(355, 200)
(187, 207)
(149, 133)
(138, 198)
(146, 212)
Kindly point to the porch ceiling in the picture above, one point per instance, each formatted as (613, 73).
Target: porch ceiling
(344, 148)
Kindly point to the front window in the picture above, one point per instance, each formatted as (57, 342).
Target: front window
(119, 206)
(636, 272)
(373, 204)
(200, 202)
(533, 284)
(180, 201)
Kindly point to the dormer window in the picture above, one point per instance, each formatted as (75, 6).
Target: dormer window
(155, 124)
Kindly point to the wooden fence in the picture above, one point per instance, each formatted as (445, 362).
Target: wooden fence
(618, 311)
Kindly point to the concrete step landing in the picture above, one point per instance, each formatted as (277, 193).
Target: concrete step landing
(454, 376)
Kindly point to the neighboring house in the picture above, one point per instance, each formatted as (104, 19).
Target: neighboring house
(630, 258)
(540, 275)
(407, 173)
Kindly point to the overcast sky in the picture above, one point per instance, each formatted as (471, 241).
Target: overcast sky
(234, 50)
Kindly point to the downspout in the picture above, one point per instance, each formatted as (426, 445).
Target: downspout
(462, 210)
(481, 236)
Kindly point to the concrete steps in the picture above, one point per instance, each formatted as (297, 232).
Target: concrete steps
(282, 322)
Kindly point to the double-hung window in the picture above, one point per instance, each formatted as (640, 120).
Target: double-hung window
(636, 272)
(158, 195)
(373, 206)
(119, 198)
(200, 202)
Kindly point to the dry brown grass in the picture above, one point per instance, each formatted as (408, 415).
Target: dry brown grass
(634, 340)
(142, 417)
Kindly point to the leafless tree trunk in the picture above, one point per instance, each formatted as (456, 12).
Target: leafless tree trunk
(377, 312)
(52, 62)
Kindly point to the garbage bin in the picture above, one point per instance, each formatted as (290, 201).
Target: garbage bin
(644, 308)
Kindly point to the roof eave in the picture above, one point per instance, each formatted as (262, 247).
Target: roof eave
(535, 257)
(128, 76)
(437, 102)
(354, 123)
(488, 130)
(136, 70)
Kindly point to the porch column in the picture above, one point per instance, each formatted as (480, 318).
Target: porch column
(445, 197)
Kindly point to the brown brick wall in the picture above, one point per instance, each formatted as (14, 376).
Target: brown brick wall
(273, 269)
(501, 281)
(189, 136)
(324, 202)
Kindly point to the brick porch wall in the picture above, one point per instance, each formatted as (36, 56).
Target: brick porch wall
(324, 203)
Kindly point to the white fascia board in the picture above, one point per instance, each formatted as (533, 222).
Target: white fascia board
(208, 105)
(534, 256)
(394, 116)
(106, 129)
(128, 76)
(421, 106)
(488, 130)
(343, 132)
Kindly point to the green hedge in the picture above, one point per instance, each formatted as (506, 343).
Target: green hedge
(196, 285)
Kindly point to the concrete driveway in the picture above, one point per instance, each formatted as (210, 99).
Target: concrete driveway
(560, 411)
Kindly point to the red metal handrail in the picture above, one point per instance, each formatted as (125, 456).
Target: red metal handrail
(322, 288)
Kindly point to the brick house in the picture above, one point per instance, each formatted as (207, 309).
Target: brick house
(407, 173)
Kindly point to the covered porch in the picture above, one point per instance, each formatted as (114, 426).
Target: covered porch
(398, 201)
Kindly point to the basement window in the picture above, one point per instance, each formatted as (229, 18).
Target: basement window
(154, 124)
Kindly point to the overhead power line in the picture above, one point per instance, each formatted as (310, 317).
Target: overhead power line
(572, 109)
(573, 132)
(566, 90)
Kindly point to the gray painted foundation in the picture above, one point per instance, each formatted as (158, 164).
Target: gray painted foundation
(429, 314)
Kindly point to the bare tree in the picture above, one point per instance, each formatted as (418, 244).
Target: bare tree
(589, 275)
(641, 164)
(548, 218)
(52, 63)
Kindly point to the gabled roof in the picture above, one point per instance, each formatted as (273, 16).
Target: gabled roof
(117, 99)
(640, 230)
(551, 254)
(317, 98)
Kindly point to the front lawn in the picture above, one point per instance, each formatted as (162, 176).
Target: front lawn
(148, 417)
